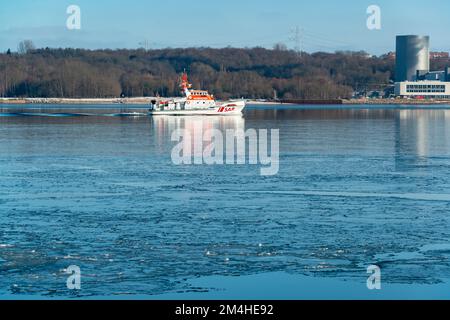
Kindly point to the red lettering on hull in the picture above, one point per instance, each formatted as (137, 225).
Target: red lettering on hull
(226, 109)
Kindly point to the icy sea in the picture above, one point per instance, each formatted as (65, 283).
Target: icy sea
(95, 187)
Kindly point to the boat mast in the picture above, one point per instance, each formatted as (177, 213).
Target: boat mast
(185, 85)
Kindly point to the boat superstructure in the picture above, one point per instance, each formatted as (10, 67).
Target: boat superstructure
(195, 102)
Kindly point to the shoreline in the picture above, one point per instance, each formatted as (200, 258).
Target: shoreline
(146, 101)
(75, 101)
(394, 102)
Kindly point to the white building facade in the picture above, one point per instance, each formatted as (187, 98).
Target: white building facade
(423, 89)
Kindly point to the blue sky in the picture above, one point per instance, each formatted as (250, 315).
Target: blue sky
(328, 25)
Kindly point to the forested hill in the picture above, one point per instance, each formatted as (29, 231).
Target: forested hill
(229, 72)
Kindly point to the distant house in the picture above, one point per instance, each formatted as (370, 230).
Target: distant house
(389, 55)
(439, 55)
(433, 55)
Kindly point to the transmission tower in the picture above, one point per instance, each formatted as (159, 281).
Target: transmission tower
(145, 44)
(297, 38)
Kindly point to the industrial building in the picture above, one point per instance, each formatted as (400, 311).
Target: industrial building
(412, 56)
(412, 70)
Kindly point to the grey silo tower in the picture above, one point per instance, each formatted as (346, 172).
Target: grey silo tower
(412, 56)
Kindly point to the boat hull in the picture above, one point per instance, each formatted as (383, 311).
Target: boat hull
(227, 109)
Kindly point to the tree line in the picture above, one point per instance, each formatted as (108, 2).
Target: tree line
(255, 73)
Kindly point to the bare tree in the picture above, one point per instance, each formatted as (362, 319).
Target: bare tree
(26, 46)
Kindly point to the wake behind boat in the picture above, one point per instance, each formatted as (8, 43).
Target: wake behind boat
(195, 102)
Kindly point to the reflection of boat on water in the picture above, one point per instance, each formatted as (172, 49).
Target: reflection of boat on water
(164, 126)
(195, 102)
(185, 122)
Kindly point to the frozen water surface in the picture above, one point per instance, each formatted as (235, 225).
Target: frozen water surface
(95, 187)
